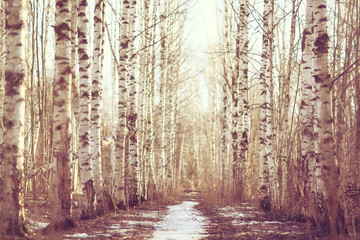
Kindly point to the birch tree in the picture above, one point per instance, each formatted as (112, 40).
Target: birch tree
(150, 157)
(62, 152)
(267, 166)
(132, 111)
(163, 77)
(326, 142)
(236, 123)
(307, 117)
(12, 212)
(96, 98)
(224, 101)
(86, 170)
(284, 123)
(119, 181)
(240, 113)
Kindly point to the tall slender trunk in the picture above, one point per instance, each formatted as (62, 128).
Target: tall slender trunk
(96, 102)
(12, 212)
(326, 142)
(74, 88)
(163, 96)
(308, 158)
(62, 152)
(119, 174)
(236, 123)
(268, 181)
(243, 85)
(86, 170)
(285, 152)
(132, 112)
(224, 139)
(152, 181)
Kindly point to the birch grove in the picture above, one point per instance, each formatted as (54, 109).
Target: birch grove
(105, 105)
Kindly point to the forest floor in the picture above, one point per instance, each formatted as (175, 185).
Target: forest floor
(187, 217)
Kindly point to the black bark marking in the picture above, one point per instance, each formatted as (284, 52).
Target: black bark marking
(83, 3)
(13, 82)
(317, 79)
(84, 57)
(322, 43)
(16, 26)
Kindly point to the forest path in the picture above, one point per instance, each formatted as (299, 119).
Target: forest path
(188, 217)
(182, 222)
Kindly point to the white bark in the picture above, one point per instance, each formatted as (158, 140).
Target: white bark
(62, 156)
(236, 123)
(119, 181)
(86, 170)
(163, 96)
(132, 112)
(306, 117)
(268, 173)
(96, 104)
(12, 212)
(322, 77)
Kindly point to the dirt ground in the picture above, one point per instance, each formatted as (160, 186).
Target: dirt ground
(218, 222)
(246, 222)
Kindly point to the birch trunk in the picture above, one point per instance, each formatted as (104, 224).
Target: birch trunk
(235, 119)
(163, 85)
(326, 142)
(285, 151)
(96, 100)
(119, 184)
(267, 166)
(74, 64)
(308, 161)
(149, 175)
(86, 170)
(152, 181)
(62, 152)
(12, 212)
(243, 85)
(270, 133)
(224, 138)
(132, 112)
(224, 106)
(74, 90)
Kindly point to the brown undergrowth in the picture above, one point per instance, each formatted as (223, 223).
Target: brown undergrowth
(243, 221)
(135, 223)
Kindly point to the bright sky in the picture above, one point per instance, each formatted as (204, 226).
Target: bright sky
(202, 23)
(201, 30)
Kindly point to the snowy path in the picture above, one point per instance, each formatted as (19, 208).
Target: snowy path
(181, 222)
(188, 217)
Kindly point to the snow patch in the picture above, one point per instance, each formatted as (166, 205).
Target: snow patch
(79, 235)
(181, 222)
(35, 225)
(151, 214)
(265, 223)
(148, 223)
